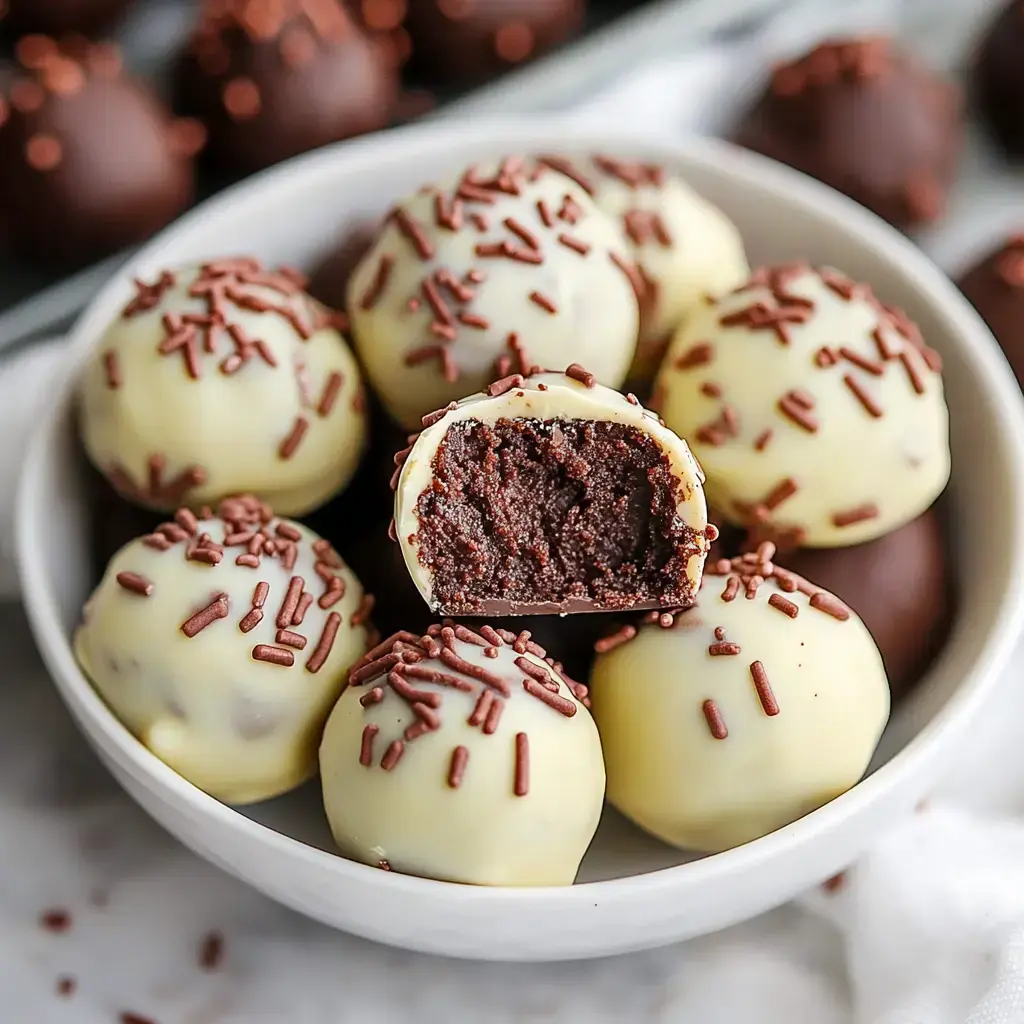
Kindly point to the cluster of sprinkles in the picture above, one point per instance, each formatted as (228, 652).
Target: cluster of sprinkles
(52, 71)
(469, 207)
(897, 341)
(856, 62)
(224, 286)
(249, 525)
(402, 662)
(744, 577)
(301, 30)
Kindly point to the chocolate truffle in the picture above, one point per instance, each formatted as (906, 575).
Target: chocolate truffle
(761, 703)
(222, 643)
(328, 283)
(995, 287)
(503, 269)
(814, 408)
(90, 161)
(865, 118)
(550, 494)
(463, 755)
(899, 585)
(220, 379)
(60, 17)
(685, 249)
(998, 77)
(271, 81)
(461, 42)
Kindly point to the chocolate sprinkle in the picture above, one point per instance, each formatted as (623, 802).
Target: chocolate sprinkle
(457, 769)
(723, 648)
(714, 719)
(289, 445)
(216, 609)
(763, 688)
(539, 299)
(562, 705)
(366, 748)
(330, 394)
(831, 605)
(576, 372)
(287, 638)
(392, 755)
(855, 515)
(522, 775)
(135, 583)
(211, 951)
(273, 655)
(870, 405)
(325, 644)
(784, 605)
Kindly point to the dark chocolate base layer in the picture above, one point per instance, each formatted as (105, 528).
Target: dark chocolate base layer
(529, 517)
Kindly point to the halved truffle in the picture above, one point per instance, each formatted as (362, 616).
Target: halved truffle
(550, 494)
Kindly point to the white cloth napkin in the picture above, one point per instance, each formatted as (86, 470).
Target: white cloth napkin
(928, 928)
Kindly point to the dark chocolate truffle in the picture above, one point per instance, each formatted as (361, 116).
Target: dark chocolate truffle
(329, 280)
(995, 287)
(60, 17)
(863, 117)
(998, 78)
(90, 161)
(272, 81)
(899, 585)
(464, 41)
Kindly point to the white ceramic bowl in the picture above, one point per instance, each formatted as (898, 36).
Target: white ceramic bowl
(634, 892)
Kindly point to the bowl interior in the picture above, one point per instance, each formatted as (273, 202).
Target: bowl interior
(293, 215)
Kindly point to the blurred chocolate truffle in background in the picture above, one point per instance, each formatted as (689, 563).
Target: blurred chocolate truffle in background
(995, 287)
(60, 17)
(460, 42)
(271, 81)
(998, 77)
(384, 21)
(90, 160)
(862, 116)
(899, 585)
(329, 280)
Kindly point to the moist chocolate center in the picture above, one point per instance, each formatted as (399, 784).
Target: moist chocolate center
(553, 515)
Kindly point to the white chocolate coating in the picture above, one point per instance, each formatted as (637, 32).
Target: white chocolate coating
(674, 778)
(595, 316)
(857, 475)
(137, 404)
(480, 831)
(685, 248)
(545, 396)
(241, 729)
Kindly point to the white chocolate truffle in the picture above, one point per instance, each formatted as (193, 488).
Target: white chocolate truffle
(816, 411)
(222, 644)
(463, 756)
(224, 379)
(758, 705)
(685, 248)
(492, 274)
(550, 494)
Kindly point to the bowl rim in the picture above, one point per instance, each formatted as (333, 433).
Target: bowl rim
(1003, 625)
